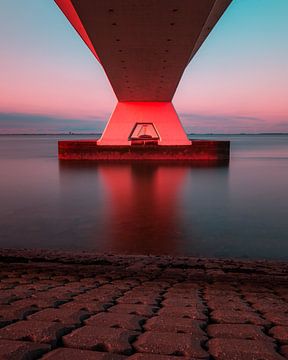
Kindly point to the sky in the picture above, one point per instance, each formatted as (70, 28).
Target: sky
(51, 82)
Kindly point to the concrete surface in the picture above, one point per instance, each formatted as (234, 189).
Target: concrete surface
(199, 150)
(82, 305)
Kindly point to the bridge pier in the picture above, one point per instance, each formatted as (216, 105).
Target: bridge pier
(144, 47)
(157, 120)
(196, 151)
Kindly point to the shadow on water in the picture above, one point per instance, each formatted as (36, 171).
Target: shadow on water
(142, 206)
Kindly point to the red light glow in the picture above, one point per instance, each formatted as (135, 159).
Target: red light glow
(161, 114)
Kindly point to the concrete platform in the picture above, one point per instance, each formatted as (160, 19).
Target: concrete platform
(83, 305)
(199, 150)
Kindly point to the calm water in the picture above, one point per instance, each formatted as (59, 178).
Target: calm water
(240, 210)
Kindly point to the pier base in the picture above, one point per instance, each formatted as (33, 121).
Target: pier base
(198, 150)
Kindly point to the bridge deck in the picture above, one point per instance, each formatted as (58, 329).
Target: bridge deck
(144, 45)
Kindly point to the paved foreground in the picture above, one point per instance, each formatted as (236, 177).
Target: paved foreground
(57, 305)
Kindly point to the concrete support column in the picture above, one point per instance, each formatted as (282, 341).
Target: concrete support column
(127, 114)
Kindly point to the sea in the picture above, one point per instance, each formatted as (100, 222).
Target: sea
(237, 210)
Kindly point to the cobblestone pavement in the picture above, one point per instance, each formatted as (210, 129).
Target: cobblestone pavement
(65, 305)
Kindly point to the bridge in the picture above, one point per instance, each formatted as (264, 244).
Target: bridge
(144, 47)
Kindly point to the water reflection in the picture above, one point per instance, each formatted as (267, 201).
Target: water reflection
(240, 211)
(141, 204)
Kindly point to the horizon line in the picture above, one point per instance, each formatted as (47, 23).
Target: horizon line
(93, 133)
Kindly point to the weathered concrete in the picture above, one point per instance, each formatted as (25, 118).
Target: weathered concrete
(199, 150)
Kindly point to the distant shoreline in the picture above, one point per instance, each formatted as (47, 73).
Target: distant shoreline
(189, 134)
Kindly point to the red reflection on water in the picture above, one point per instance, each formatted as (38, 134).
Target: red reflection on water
(132, 208)
(143, 207)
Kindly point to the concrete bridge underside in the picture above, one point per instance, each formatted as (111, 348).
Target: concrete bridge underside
(144, 47)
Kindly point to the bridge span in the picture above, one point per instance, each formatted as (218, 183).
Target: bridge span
(144, 47)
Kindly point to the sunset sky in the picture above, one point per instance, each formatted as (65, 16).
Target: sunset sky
(51, 82)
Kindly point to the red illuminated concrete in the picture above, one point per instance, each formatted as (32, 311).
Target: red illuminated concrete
(161, 114)
(199, 150)
(171, 319)
(144, 47)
